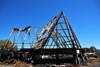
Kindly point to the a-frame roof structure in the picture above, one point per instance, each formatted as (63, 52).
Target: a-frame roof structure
(57, 34)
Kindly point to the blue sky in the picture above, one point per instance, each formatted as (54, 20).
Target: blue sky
(83, 15)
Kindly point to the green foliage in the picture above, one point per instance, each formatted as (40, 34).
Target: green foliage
(2, 42)
(15, 47)
(91, 49)
(9, 45)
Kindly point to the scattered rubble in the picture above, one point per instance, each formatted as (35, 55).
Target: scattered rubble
(17, 63)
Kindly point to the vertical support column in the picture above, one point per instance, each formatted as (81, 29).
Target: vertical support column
(36, 34)
(33, 37)
(29, 39)
(22, 37)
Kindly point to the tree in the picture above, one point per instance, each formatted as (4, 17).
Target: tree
(93, 49)
(15, 47)
(9, 45)
(2, 42)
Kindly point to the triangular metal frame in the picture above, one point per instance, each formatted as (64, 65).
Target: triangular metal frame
(51, 31)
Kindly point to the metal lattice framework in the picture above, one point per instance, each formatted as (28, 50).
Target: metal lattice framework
(57, 33)
(56, 37)
(25, 33)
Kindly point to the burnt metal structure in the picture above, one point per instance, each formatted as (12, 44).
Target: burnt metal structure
(21, 36)
(56, 38)
(23, 31)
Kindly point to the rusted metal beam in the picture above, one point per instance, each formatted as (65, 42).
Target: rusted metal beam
(16, 38)
(65, 33)
(66, 21)
(51, 30)
(63, 44)
(63, 39)
(47, 42)
(25, 37)
(68, 30)
(41, 34)
(46, 34)
(74, 35)
(51, 44)
(57, 41)
(8, 39)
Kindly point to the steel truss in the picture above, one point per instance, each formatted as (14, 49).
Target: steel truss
(56, 37)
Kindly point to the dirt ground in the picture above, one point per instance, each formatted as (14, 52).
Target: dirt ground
(15, 63)
(19, 63)
(2, 65)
